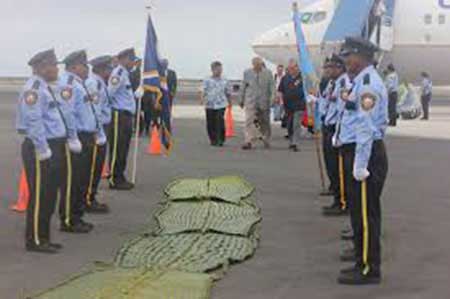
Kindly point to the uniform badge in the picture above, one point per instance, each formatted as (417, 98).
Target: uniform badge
(367, 102)
(115, 80)
(30, 97)
(94, 98)
(66, 93)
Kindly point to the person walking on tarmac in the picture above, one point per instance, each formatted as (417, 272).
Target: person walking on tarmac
(96, 85)
(87, 114)
(392, 85)
(365, 158)
(333, 160)
(426, 95)
(124, 109)
(42, 120)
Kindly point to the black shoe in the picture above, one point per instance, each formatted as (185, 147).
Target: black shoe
(87, 224)
(46, 248)
(97, 208)
(287, 137)
(335, 211)
(294, 148)
(247, 147)
(348, 255)
(347, 236)
(348, 270)
(327, 193)
(122, 186)
(78, 228)
(356, 277)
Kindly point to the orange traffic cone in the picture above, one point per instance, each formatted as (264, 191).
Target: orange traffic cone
(105, 171)
(24, 194)
(229, 123)
(154, 146)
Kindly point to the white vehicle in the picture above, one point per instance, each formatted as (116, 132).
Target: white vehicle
(414, 34)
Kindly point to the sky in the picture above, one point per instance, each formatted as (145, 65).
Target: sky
(191, 33)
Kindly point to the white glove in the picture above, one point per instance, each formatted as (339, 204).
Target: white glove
(75, 146)
(100, 141)
(335, 141)
(45, 156)
(139, 93)
(311, 99)
(360, 174)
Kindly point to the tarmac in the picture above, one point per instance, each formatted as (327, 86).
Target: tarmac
(299, 251)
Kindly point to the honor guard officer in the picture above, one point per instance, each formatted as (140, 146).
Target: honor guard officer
(361, 135)
(97, 86)
(86, 112)
(41, 118)
(124, 108)
(339, 81)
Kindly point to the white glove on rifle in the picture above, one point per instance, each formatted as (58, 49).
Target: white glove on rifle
(360, 174)
(75, 146)
(44, 156)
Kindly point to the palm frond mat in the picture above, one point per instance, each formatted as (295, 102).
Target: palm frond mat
(204, 225)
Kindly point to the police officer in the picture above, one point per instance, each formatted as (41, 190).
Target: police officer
(360, 133)
(86, 113)
(392, 88)
(97, 87)
(333, 160)
(42, 119)
(124, 108)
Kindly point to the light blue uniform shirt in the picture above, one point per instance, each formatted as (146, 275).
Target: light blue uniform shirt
(427, 87)
(335, 103)
(323, 100)
(392, 82)
(120, 90)
(372, 115)
(85, 106)
(96, 85)
(40, 116)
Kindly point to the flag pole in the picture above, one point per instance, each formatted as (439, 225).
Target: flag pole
(316, 135)
(138, 126)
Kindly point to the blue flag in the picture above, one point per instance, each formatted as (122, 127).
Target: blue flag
(155, 81)
(306, 65)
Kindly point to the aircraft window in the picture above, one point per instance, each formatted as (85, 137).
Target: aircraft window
(320, 16)
(441, 19)
(306, 17)
(428, 19)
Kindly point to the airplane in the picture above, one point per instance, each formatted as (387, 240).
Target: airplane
(416, 38)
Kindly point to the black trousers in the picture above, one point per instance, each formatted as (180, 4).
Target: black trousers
(147, 108)
(122, 130)
(392, 108)
(365, 211)
(331, 158)
(43, 178)
(96, 167)
(426, 99)
(215, 125)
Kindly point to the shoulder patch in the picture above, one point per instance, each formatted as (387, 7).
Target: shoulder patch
(366, 80)
(367, 101)
(30, 97)
(66, 93)
(115, 80)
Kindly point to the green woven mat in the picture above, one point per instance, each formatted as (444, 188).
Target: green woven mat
(227, 188)
(115, 283)
(191, 252)
(207, 216)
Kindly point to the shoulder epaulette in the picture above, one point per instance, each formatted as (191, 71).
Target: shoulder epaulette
(366, 80)
(70, 80)
(120, 72)
(99, 85)
(36, 84)
(342, 83)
